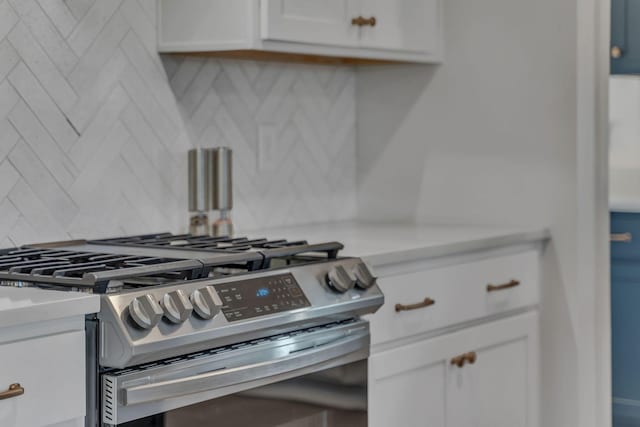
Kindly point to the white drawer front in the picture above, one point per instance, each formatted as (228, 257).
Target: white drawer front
(459, 293)
(52, 372)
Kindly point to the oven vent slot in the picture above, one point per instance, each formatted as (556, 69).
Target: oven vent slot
(108, 400)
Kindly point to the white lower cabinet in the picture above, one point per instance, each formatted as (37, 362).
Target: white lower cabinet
(50, 371)
(48, 374)
(403, 394)
(418, 384)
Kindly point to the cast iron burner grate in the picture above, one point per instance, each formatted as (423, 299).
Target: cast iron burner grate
(270, 249)
(108, 265)
(91, 269)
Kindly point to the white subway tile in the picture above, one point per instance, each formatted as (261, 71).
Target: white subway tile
(8, 18)
(99, 128)
(43, 106)
(9, 176)
(43, 184)
(32, 131)
(8, 58)
(60, 15)
(40, 64)
(93, 97)
(104, 47)
(90, 25)
(43, 30)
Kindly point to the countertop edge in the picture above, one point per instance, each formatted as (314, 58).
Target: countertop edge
(430, 240)
(457, 248)
(78, 305)
(624, 206)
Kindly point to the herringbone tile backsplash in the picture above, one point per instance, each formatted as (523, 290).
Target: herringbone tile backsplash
(95, 125)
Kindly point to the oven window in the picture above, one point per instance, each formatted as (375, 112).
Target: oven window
(335, 397)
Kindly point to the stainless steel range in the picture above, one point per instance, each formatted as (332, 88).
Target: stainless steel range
(195, 330)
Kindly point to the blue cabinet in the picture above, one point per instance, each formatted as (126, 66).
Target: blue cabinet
(625, 318)
(625, 37)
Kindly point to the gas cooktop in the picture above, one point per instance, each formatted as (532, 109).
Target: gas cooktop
(110, 265)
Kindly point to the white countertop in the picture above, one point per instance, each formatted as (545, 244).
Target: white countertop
(26, 305)
(382, 243)
(631, 205)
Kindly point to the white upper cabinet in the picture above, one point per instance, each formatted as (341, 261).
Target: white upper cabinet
(204, 25)
(346, 30)
(311, 21)
(404, 25)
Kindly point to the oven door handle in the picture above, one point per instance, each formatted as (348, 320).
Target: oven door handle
(294, 364)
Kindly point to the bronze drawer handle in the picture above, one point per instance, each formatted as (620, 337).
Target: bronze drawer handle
(13, 391)
(511, 284)
(469, 357)
(361, 21)
(621, 237)
(426, 303)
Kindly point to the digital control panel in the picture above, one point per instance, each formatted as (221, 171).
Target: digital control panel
(260, 297)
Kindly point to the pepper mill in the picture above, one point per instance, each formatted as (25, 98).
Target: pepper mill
(199, 202)
(220, 186)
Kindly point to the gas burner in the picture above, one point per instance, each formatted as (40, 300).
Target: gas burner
(270, 249)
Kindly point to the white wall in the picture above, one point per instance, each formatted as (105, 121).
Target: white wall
(94, 127)
(491, 137)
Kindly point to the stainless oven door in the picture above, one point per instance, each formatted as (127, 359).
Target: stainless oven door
(314, 377)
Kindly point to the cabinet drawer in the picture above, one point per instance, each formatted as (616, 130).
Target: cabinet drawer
(625, 236)
(444, 296)
(52, 372)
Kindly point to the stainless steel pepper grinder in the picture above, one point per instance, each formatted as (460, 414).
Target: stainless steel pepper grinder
(220, 185)
(199, 180)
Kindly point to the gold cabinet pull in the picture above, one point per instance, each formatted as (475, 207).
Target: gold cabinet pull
(616, 52)
(621, 237)
(461, 360)
(13, 391)
(426, 303)
(361, 21)
(494, 288)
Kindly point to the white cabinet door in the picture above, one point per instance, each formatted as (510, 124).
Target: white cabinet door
(416, 384)
(402, 25)
(310, 21)
(500, 388)
(406, 388)
(493, 392)
(51, 370)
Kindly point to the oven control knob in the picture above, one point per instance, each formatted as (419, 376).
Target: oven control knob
(364, 278)
(339, 279)
(176, 305)
(206, 302)
(145, 311)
